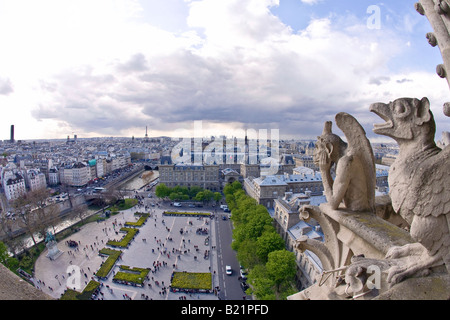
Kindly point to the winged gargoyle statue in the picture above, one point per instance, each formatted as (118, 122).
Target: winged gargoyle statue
(419, 183)
(355, 165)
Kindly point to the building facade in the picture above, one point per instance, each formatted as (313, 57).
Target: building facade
(13, 184)
(189, 175)
(35, 180)
(291, 229)
(266, 189)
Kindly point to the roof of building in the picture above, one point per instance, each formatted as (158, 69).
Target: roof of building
(78, 165)
(270, 181)
(304, 229)
(229, 171)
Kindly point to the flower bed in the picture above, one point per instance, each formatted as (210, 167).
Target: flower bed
(87, 293)
(107, 265)
(191, 282)
(131, 276)
(125, 241)
(140, 222)
(186, 214)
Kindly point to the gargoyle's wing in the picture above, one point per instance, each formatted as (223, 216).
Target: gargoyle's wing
(359, 146)
(429, 198)
(431, 184)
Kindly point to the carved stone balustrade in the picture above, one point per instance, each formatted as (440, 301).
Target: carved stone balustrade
(349, 234)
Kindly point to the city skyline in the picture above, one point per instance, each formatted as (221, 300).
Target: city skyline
(111, 68)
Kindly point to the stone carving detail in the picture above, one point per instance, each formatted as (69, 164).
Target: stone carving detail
(357, 241)
(419, 184)
(438, 14)
(355, 165)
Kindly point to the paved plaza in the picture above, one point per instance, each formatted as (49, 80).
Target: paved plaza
(159, 242)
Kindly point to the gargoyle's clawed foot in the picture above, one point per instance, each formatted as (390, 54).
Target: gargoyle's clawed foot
(410, 260)
(398, 274)
(406, 250)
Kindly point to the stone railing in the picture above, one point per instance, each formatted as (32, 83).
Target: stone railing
(349, 234)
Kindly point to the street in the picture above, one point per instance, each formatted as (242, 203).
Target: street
(230, 284)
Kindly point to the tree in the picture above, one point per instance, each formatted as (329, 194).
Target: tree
(217, 196)
(269, 241)
(27, 208)
(80, 211)
(162, 191)
(246, 254)
(4, 254)
(174, 196)
(262, 284)
(281, 267)
(257, 224)
(48, 217)
(236, 185)
(200, 196)
(6, 225)
(208, 195)
(229, 199)
(194, 190)
(228, 189)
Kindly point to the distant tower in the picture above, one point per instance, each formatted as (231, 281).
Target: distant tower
(146, 134)
(12, 133)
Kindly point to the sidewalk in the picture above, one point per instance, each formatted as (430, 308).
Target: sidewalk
(154, 243)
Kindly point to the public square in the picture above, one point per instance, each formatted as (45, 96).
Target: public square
(159, 242)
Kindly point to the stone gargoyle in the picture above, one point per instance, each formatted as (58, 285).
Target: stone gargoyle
(354, 184)
(419, 182)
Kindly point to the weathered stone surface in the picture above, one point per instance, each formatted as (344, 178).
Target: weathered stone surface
(12, 287)
(436, 287)
(354, 165)
(419, 183)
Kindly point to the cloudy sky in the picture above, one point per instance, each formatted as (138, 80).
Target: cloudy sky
(112, 67)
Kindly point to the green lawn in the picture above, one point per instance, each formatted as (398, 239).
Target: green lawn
(85, 295)
(127, 238)
(106, 267)
(191, 280)
(124, 205)
(129, 274)
(140, 222)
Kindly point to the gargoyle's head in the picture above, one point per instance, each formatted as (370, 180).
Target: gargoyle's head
(406, 118)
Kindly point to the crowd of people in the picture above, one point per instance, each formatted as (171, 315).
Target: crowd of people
(81, 251)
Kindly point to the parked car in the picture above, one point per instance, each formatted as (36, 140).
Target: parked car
(228, 270)
(243, 274)
(244, 286)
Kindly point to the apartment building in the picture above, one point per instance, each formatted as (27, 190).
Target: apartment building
(35, 180)
(291, 229)
(13, 184)
(266, 189)
(189, 175)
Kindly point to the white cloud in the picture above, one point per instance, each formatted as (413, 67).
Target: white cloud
(93, 69)
(311, 2)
